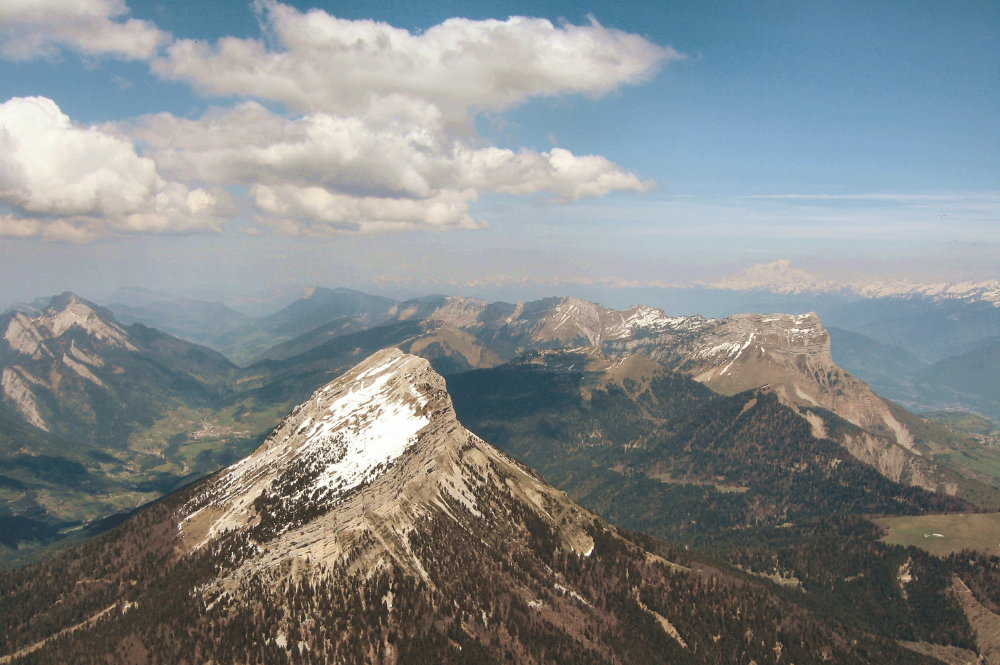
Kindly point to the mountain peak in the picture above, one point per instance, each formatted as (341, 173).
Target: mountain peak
(369, 459)
(26, 333)
(67, 299)
(339, 440)
(319, 306)
(373, 527)
(320, 292)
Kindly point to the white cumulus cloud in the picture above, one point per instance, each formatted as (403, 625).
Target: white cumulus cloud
(39, 28)
(318, 211)
(375, 132)
(68, 182)
(324, 63)
(345, 173)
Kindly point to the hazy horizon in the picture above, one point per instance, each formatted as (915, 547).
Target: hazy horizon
(236, 147)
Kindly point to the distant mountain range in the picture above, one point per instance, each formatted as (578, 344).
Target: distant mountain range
(239, 336)
(788, 353)
(782, 277)
(919, 324)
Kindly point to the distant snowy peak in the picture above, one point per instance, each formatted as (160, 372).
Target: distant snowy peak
(778, 277)
(986, 291)
(783, 278)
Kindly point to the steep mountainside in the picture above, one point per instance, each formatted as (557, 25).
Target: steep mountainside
(970, 377)
(588, 422)
(81, 401)
(320, 305)
(72, 370)
(742, 476)
(372, 527)
(48, 484)
(925, 321)
(305, 342)
(245, 339)
(929, 329)
(165, 413)
(888, 369)
(788, 353)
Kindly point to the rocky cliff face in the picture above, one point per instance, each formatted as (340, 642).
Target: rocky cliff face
(790, 354)
(35, 359)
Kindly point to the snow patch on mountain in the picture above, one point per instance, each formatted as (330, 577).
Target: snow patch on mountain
(584, 319)
(346, 435)
(646, 318)
(726, 349)
(643, 318)
(360, 433)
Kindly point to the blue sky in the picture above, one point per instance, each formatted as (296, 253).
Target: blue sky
(855, 138)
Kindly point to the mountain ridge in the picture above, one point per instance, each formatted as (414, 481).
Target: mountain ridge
(780, 276)
(791, 353)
